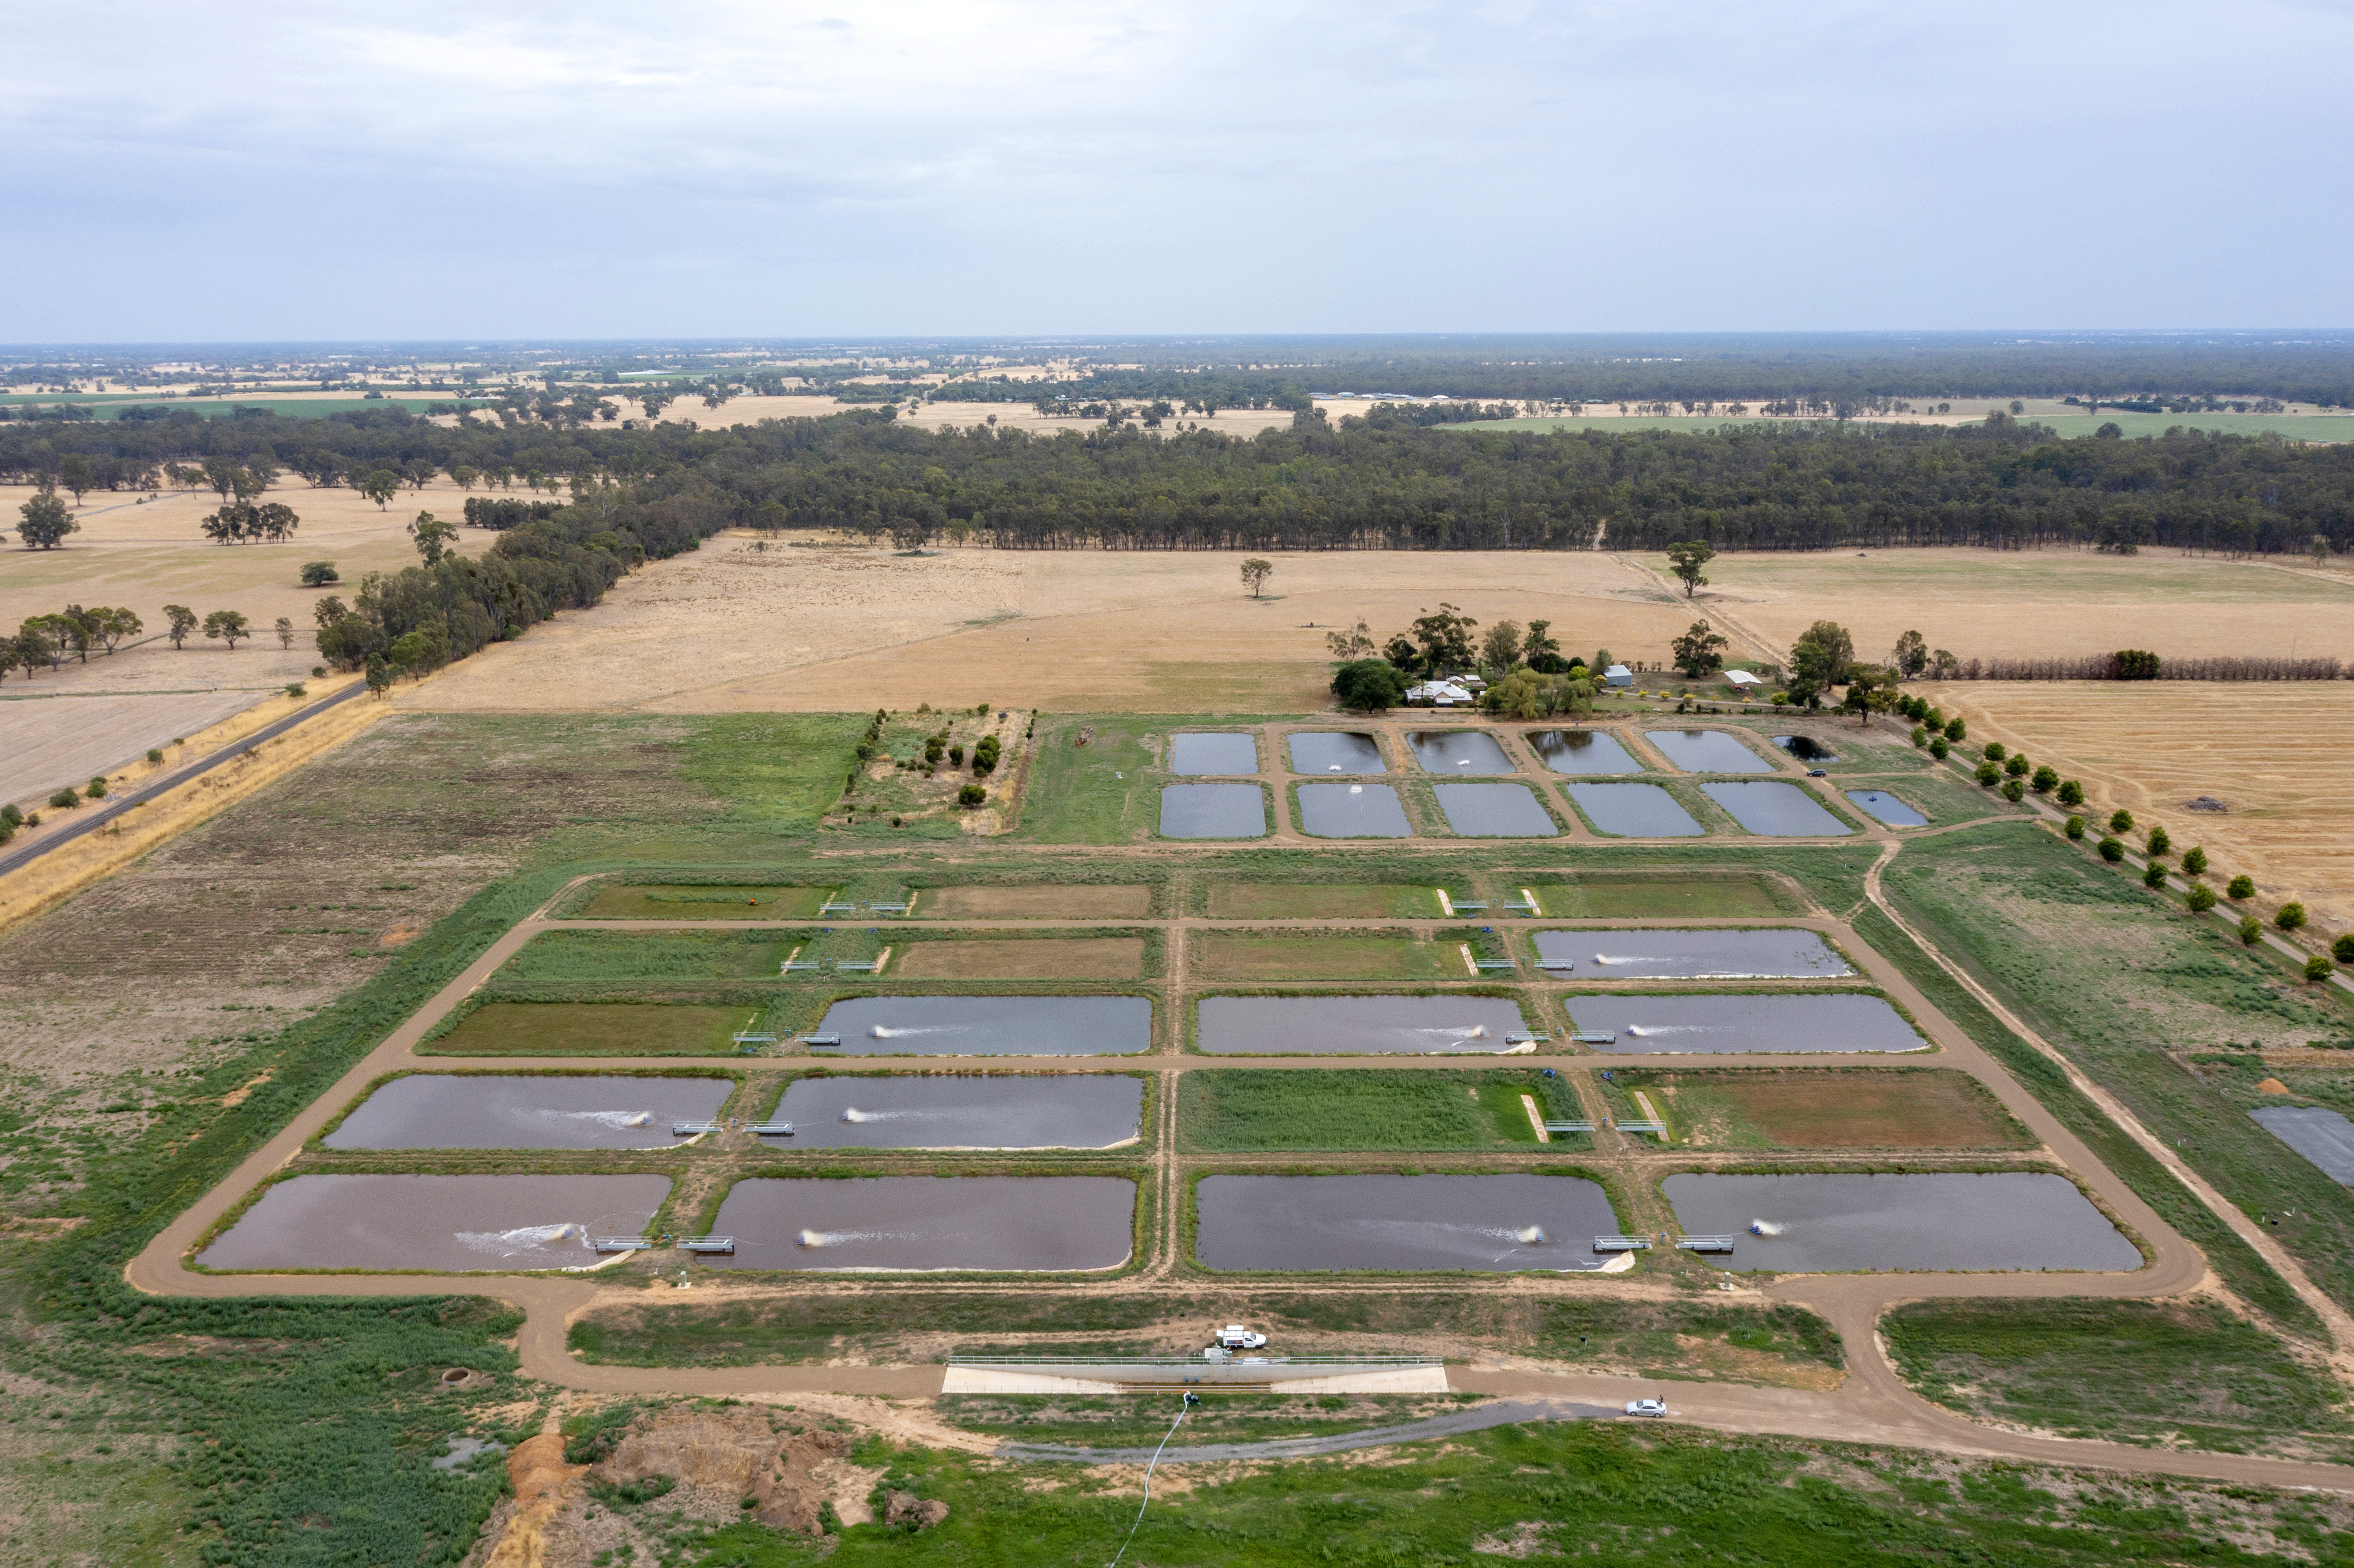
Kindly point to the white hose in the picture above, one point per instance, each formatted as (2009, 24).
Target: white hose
(1148, 1490)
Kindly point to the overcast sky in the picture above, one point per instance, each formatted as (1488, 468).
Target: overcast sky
(269, 170)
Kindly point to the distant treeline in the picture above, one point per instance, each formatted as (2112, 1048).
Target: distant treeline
(2145, 667)
(503, 511)
(1375, 481)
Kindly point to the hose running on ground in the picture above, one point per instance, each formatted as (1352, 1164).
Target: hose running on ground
(1148, 1489)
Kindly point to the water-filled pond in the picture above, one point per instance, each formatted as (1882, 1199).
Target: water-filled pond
(1634, 810)
(1372, 1025)
(1495, 811)
(1327, 751)
(1719, 1025)
(1489, 1224)
(1780, 952)
(1582, 751)
(1352, 811)
(1213, 811)
(2322, 1136)
(1706, 751)
(1812, 1224)
(1458, 752)
(452, 1224)
(990, 1026)
(1213, 753)
(1806, 748)
(451, 1110)
(1041, 1110)
(1023, 1223)
(1776, 811)
(1887, 808)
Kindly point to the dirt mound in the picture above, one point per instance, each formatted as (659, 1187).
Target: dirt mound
(906, 1507)
(2270, 1086)
(740, 1453)
(543, 1484)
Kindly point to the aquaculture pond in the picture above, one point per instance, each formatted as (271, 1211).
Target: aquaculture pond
(1806, 748)
(1213, 753)
(2322, 1136)
(1582, 751)
(1458, 752)
(1781, 952)
(1633, 811)
(1027, 1224)
(1776, 811)
(1328, 751)
(1887, 808)
(1706, 751)
(1042, 1111)
(443, 1224)
(1370, 1025)
(1352, 811)
(1495, 811)
(1213, 811)
(989, 1026)
(1724, 1025)
(1817, 1222)
(451, 1110)
(1488, 1224)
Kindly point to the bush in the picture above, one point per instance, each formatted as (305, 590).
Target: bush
(2111, 851)
(1989, 774)
(971, 795)
(2290, 915)
(2046, 780)
(2076, 828)
(10, 817)
(2153, 875)
(2016, 766)
(1957, 730)
(1920, 736)
(154, 754)
(2342, 949)
(956, 755)
(298, 690)
(2318, 968)
(1938, 720)
(2121, 822)
(1369, 686)
(2250, 929)
(1938, 749)
(2013, 791)
(2159, 844)
(1994, 751)
(318, 574)
(96, 790)
(2194, 861)
(2202, 900)
(318, 672)
(2242, 887)
(2071, 793)
(985, 755)
(65, 799)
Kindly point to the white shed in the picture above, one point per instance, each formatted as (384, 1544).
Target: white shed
(1617, 676)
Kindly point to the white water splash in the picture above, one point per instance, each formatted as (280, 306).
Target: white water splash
(1613, 959)
(880, 1032)
(1356, 788)
(1641, 1033)
(1764, 1228)
(612, 1118)
(838, 1238)
(1458, 1031)
(853, 1113)
(522, 1239)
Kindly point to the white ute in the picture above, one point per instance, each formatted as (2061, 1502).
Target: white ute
(1234, 1337)
(1646, 1407)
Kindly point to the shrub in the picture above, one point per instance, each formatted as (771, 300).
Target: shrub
(65, 799)
(298, 690)
(1994, 751)
(2111, 851)
(10, 817)
(318, 574)
(2013, 791)
(2153, 875)
(2242, 887)
(2318, 968)
(2076, 828)
(96, 790)
(2071, 793)
(318, 672)
(956, 755)
(2159, 844)
(2046, 780)
(1938, 749)
(1369, 686)
(2290, 915)
(1989, 774)
(2194, 861)
(971, 795)
(2016, 766)
(2121, 822)
(1957, 730)
(1920, 736)
(2342, 949)
(1938, 720)
(985, 755)
(2250, 929)
(2202, 900)
(155, 754)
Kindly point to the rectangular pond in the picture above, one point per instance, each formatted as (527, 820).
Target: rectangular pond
(1779, 953)
(1488, 1224)
(990, 1026)
(482, 1110)
(1352, 811)
(2322, 1136)
(1213, 811)
(1582, 751)
(1806, 748)
(1328, 751)
(1042, 1111)
(1495, 811)
(1029, 1225)
(1887, 808)
(1368, 1025)
(1213, 753)
(445, 1223)
(1738, 1025)
(1459, 752)
(1819, 1224)
(1706, 751)
(1776, 811)
(1633, 811)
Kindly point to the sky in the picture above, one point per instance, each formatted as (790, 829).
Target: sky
(709, 168)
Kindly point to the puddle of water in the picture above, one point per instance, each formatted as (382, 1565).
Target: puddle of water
(1582, 751)
(1814, 1224)
(1489, 1224)
(1213, 811)
(2323, 1136)
(451, 1224)
(1351, 811)
(1776, 811)
(1706, 751)
(1806, 748)
(1736, 1025)
(1021, 1223)
(462, 1449)
(1325, 751)
(990, 1026)
(1076, 1110)
(1495, 811)
(1777, 953)
(1459, 753)
(1887, 808)
(444, 1110)
(1634, 810)
(1211, 753)
(1368, 1025)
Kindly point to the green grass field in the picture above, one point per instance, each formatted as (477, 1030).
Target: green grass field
(674, 901)
(1245, 1112)
(777, 771)
(1358, 956)
(1320, 901)
(1095, 793)
(625, 955)
(592, 1029)
(1597, 895)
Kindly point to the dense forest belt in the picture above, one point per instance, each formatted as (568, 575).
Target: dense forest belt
(1375, 482)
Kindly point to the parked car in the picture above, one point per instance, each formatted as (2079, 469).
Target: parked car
(1646, 1407)
(1234, 1337)
(1818, 773)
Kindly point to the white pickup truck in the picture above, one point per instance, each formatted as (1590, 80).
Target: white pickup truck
(1234, 1337)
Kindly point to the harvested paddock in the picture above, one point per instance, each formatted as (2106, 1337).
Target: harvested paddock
(1259, 956)
(1022, 957)
(1043, 901)
(1730, 894)
(591, 1029)
(1322, 901)
(1934, 1107)
(688, 902)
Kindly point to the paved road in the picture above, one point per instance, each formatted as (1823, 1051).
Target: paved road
(1479, 1418)
(118, 804)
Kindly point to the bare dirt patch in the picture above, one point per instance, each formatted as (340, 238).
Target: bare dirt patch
(1930, 1108)
(1045, 901)
(1023, 958)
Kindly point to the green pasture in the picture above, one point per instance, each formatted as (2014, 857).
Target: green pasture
(593, 1029)
(1230, 1112)
(684, 901)
(1600, 896)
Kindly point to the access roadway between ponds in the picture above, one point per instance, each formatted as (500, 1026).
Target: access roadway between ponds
(1872, 1405)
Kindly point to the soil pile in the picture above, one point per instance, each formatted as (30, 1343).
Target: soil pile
(907, 1509)
(543, 1484)
(739, 1452)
